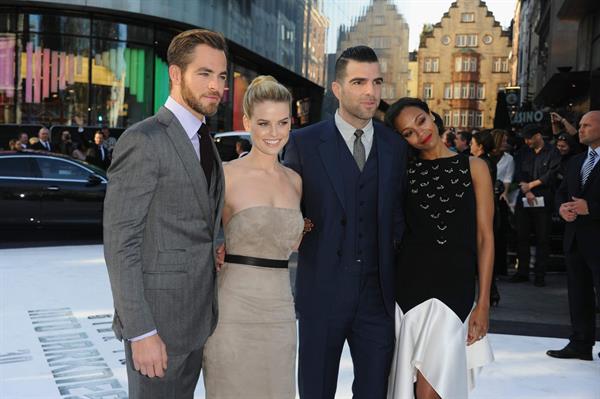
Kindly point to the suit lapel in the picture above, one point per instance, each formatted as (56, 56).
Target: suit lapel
(384, 162)
(330, 156)
(185, 150)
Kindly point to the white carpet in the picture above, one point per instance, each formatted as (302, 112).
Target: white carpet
(55, 338)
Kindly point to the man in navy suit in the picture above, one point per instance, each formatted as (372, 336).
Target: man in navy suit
(579, 200)
(353, 173)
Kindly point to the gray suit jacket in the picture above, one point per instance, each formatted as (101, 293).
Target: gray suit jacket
(160, 227)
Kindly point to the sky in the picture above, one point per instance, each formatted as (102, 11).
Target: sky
(415, 12)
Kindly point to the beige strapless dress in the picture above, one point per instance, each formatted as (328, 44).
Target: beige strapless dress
(252, 353)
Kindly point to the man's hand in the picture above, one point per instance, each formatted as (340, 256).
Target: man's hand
(220, 257)
(579, 206)
(555, 118)
(524, 186)
(565, 211)
(530, 198)
(150, 356)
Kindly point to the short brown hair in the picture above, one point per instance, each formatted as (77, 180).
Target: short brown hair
(183, 45)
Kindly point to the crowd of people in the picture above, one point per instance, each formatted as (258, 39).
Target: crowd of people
(97, 151)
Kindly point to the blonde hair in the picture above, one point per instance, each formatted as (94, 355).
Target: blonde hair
(265, 88)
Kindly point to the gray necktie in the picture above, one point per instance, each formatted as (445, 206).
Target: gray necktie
(359, 150)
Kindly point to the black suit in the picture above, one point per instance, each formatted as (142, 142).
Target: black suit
(582, 252)
(98, 156)
(40, 147)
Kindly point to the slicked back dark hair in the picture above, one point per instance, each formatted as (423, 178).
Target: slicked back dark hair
(397, 107)
(356, 53)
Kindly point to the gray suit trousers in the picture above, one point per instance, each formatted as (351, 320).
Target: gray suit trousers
(179, 381)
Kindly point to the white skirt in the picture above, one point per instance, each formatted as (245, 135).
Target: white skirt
(430, 338)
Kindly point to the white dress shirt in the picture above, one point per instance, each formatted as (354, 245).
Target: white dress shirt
(190, 123)
(347, 131)
(506, 168)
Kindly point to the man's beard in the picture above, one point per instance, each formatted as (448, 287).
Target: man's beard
(358, 112)
(195, 104)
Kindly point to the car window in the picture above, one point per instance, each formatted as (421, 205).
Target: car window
(16, 167)
(226, 146)
(59, 169)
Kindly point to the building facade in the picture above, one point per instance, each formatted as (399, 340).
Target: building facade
(384, 29)
(315, 38)
(412, 85)
(94, 62)
(566, 73)
(463, 62)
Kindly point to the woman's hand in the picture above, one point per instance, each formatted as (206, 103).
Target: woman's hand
(478, 324)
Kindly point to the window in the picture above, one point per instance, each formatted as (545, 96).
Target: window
(473, 64)
(464, 92)
(447, 91)
(59, 169)
(455, 119)
(500, 64)
(379, 20)
(431, 65)
(388, 91)
(465, 64)
(480, 91)
(466, 40)
(456, 90)
(464, 118)
(478, 119)
(471, 118)
(383, 65)
(428, 90)
(380, 42)
(472, 93)
(447, 118)
(467, 17)
(16, 167)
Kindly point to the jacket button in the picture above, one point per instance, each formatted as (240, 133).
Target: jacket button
(339, 252)
(343, 222)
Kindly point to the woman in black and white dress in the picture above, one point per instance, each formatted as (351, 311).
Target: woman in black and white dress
(441, 326)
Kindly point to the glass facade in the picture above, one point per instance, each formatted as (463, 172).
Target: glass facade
(80, 68)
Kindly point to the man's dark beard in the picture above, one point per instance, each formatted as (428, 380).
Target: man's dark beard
(195, 104)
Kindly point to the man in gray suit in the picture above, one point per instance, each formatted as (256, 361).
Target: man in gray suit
(161, 216)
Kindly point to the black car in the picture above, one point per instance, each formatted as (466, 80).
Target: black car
(45, 189)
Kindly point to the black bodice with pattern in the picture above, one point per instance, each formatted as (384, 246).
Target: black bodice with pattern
(439, 252)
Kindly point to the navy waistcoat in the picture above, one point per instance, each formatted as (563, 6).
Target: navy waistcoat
(360, 243)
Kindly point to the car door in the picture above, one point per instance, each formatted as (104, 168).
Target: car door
(20, 192)
(71, 196)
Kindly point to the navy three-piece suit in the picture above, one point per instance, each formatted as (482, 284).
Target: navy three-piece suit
(345, 279)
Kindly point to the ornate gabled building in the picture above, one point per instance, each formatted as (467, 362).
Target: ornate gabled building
(463, 62)
(384, 29)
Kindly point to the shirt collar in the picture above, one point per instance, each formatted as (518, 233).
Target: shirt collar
(189, 121)
(597, 151)
(347, 130)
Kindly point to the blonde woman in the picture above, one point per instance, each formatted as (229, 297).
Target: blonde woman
(252, 353)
